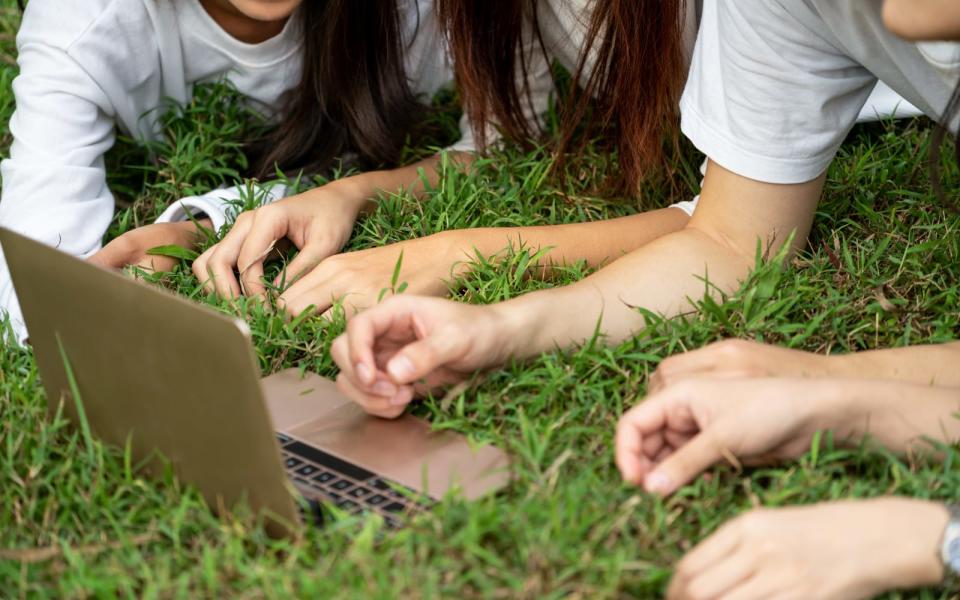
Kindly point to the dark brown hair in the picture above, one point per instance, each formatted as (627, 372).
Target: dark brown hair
(353, 94)
(633, 87)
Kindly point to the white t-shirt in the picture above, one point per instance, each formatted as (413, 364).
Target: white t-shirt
(89, 67)
(775, 86)
(564, 25)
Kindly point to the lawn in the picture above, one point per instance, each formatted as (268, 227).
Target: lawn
(882, 269)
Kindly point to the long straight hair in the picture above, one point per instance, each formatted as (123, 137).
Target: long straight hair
(353, 94)
(633, 87)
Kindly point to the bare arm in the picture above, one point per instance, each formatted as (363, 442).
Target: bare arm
(719, 243)
(925, 365)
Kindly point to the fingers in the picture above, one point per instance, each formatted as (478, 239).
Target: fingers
(727, 573)
(381, 406)
(304, 262)
(214, 268)
(374, 391)
(363, 331)
(269, 224)
(157, 264)
(419, 359)
(647, 419)
(710, 551)
(115, 255)
(684, 464)
(759, 587)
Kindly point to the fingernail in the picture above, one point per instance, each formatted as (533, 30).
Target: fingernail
(364, 373)
(401, 369)
(657, 483)
(384, 388)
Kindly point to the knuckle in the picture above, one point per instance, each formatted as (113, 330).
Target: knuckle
(697, 590)
(733, 348)
(753, 523)
(667, 365)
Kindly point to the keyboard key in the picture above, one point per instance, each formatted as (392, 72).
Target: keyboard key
(292, 462)
(324, 477)
(394, 507)
(307, 470)
(315, 455)
(283, 439)
(301, 481)
(359, 492)
(348, 505)
(379, 484)
(341, 485)
(376, 500)
(334, 496)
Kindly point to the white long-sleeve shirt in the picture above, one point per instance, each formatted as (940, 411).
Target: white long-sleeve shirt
(90, 67)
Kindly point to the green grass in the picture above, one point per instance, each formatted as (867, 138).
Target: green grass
(882, 269)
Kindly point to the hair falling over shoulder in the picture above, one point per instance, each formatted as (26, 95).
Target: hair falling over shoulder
(353, 94)
(631, 92)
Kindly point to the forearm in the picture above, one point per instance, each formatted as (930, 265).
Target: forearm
(596, 242)
(366, 187)
(900, 416)
(659, 277)
(925, 365)
(713, 253)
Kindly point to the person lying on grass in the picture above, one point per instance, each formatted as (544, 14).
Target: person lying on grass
(312, 68)
(831, 550)
(631, 82)
(772, 92)
(705, 408)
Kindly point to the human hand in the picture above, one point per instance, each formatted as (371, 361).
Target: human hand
(844, 550)
(675, 434)
(318, 222)
(738, 358)
(409, 344)
(359, 279)
(132, 247)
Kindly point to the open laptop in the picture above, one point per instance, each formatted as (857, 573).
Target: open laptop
(182, 379)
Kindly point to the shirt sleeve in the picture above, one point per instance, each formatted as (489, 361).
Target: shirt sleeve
(54, 182)
(770, 95)
(220, 205)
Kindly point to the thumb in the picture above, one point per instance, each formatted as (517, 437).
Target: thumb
(417, 360)
(114, 255)
(688, 461)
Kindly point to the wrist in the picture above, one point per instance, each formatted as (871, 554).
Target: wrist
(921, 563)
(517, 324)
(844, 407)
(351, 192)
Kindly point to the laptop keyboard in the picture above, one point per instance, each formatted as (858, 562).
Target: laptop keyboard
(330, 479)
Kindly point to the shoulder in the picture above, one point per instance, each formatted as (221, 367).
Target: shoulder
(64, 23)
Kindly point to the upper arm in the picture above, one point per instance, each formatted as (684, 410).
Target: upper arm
(61, 114)
(54, 183)
(771, 94)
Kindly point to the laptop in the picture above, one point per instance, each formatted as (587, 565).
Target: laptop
(181, 380)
